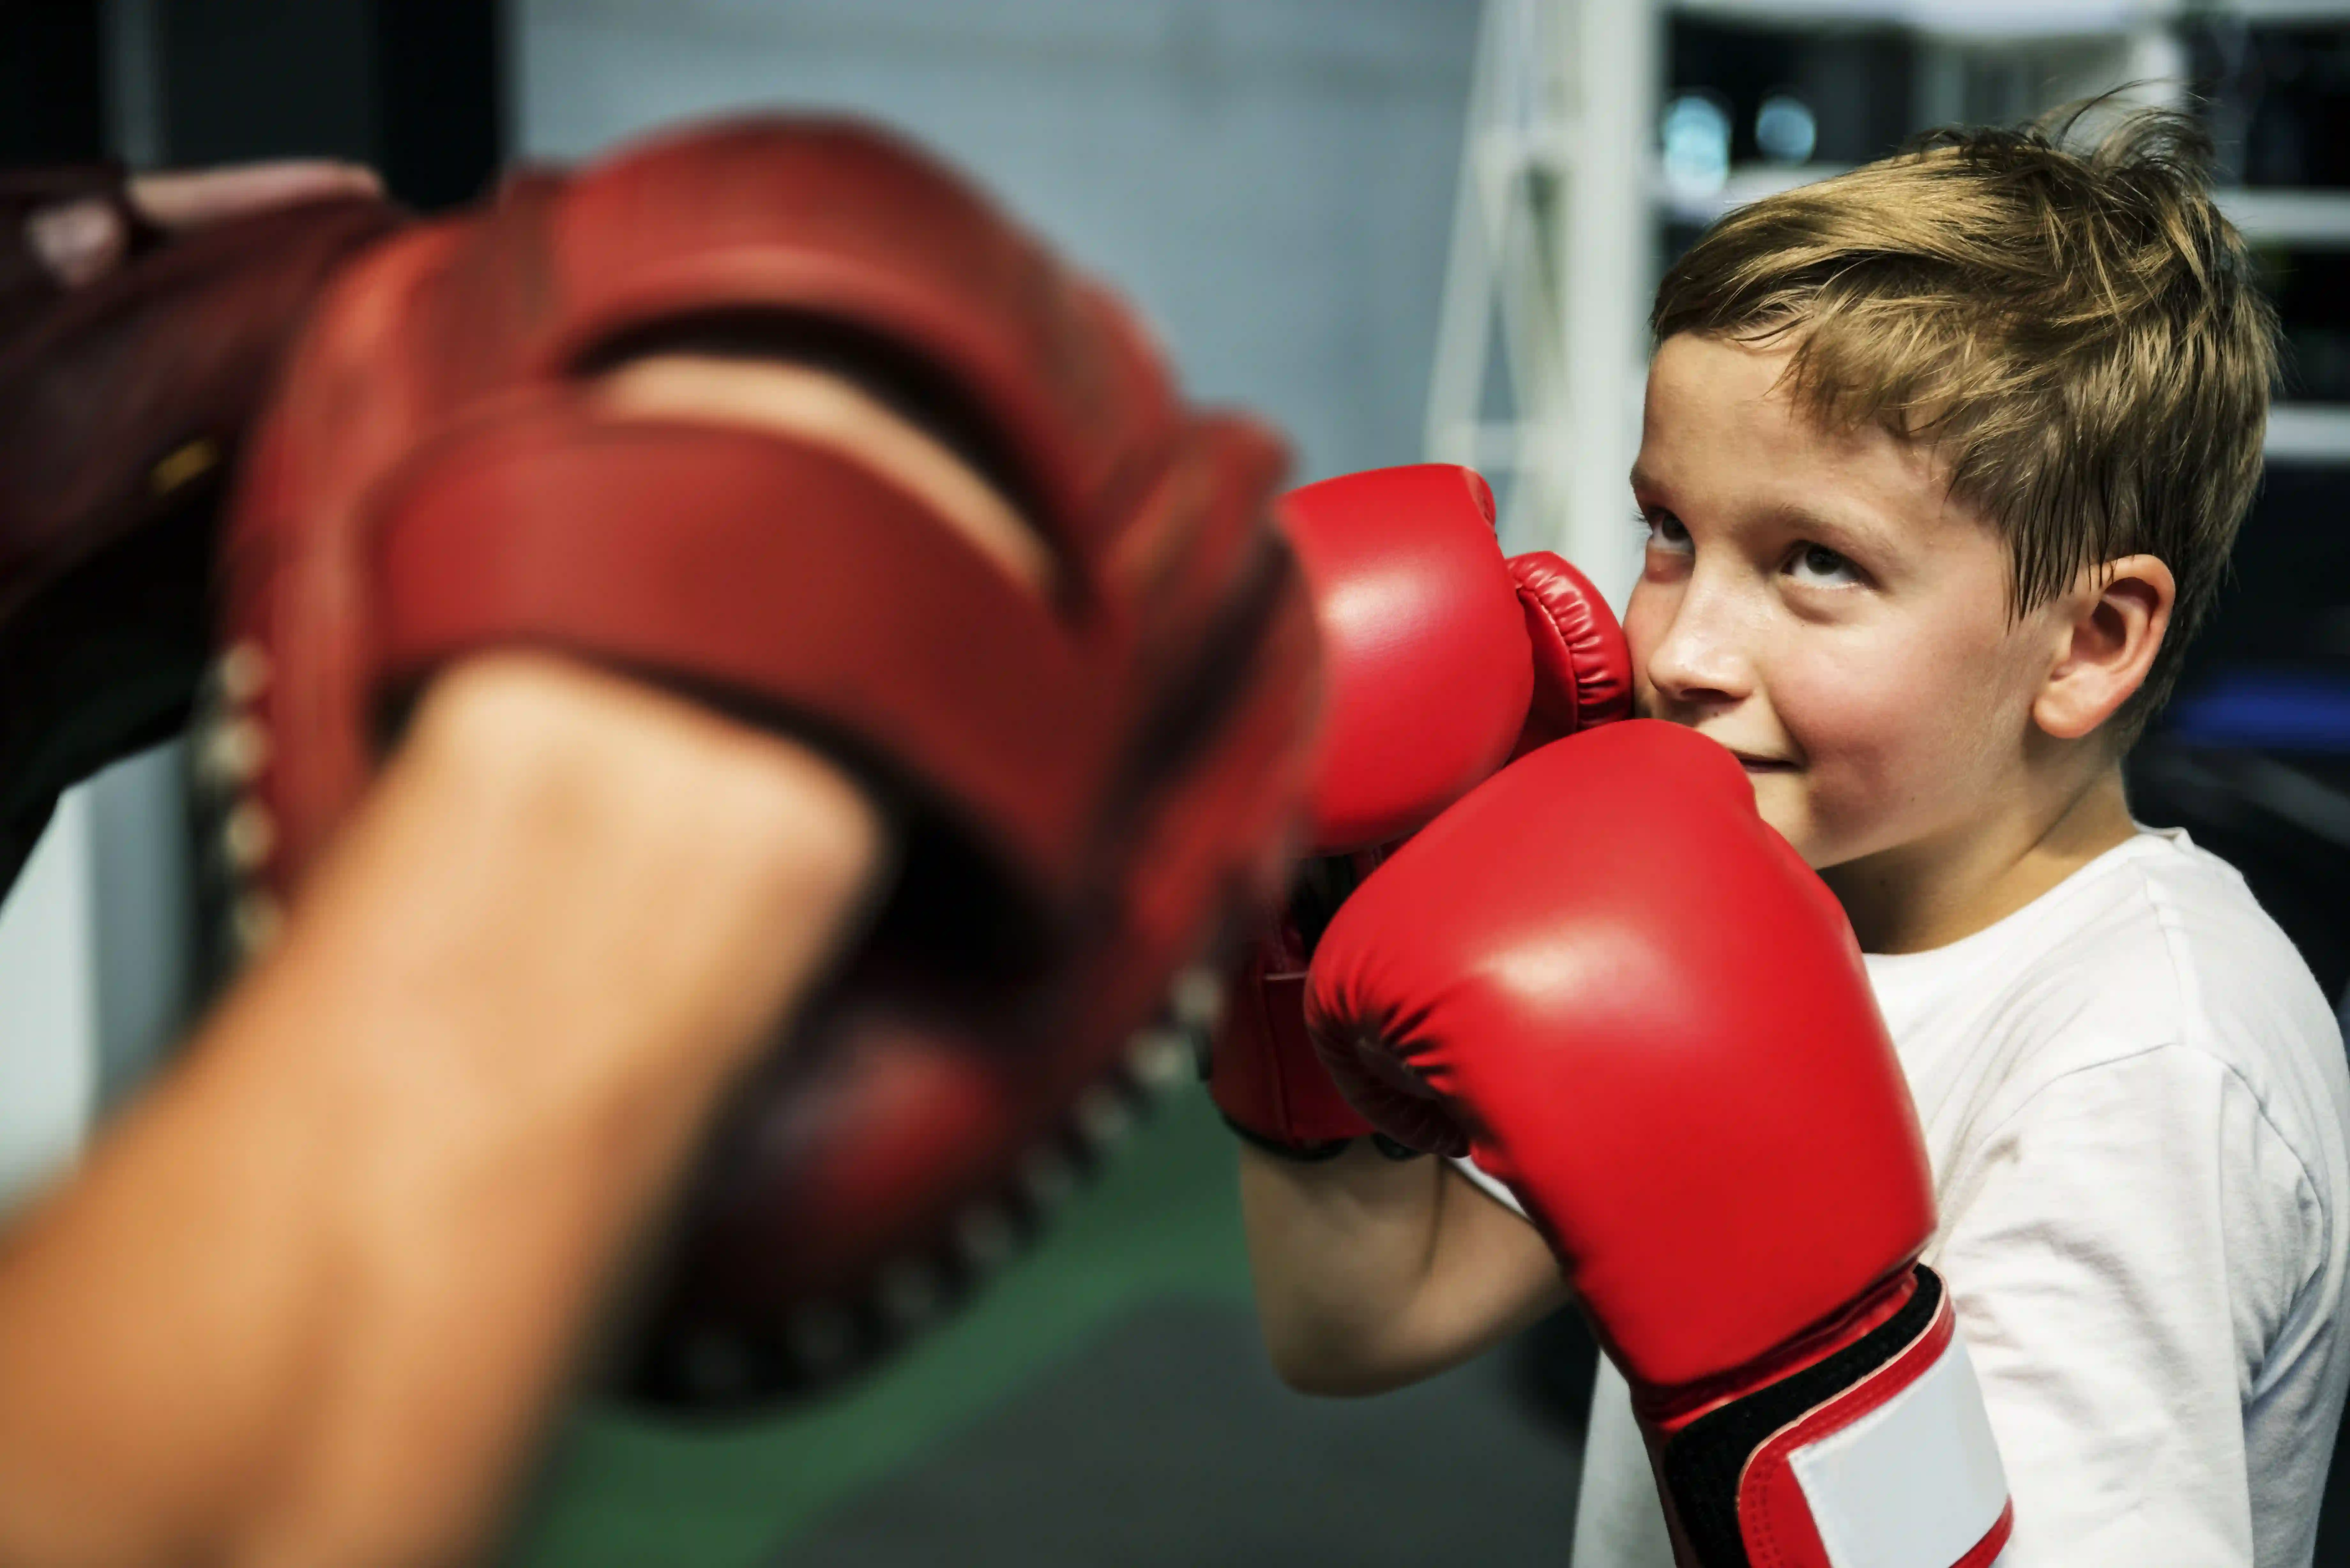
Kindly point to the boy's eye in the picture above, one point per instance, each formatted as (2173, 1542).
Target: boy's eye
(1819, 566)
(1665, 531)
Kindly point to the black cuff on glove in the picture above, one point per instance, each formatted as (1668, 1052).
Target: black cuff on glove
(1303, 1153)
(1705, 1460)
(1315, 1153)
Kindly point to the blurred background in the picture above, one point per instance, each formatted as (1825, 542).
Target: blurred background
(1402, 229)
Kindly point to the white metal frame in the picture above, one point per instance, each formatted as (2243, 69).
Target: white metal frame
(1552, 242)
(1552, 260)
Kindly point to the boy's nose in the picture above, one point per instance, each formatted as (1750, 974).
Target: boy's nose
(1701, 661)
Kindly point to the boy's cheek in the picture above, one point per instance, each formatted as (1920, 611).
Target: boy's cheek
(1894, 747)
(1837, 713)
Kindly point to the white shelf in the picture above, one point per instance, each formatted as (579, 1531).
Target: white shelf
(2286, 12)
(2309, 432)
(1978, 19)
(2016, 19)
(2320, 219)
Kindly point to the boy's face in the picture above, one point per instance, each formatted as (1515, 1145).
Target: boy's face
(1816, 602)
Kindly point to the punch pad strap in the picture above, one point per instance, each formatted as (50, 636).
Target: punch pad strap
(781, 575)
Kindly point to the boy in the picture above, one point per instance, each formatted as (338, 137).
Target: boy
(1941, 462)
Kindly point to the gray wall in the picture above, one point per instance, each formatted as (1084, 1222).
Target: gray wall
(1272, 180)
(93, 973)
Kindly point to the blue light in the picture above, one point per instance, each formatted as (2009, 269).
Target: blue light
(1785, 131)
(1697, 146)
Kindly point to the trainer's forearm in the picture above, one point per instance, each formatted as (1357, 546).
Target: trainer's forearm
(309, 1302)
(1372, 1273)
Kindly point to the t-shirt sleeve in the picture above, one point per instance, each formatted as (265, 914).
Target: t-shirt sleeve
(2123, 1247)
(1489, 1186)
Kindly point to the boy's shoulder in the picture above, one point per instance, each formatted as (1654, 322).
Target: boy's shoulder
(2166, 940)
(2157, 945)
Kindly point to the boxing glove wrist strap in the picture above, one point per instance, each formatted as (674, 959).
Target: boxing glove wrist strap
(1315, 1152)
(1880, 1454)
(1311, 1151)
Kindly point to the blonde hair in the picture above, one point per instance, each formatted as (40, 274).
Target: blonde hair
(2077, 331)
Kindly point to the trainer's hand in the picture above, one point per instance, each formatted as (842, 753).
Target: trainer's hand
(721, 865)
(81, 241)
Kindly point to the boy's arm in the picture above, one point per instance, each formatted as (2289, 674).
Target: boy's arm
(1372, 1273)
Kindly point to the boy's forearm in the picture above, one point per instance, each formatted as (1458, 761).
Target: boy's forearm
(311, 1300)
(1371, 1273)
(1337, 1249)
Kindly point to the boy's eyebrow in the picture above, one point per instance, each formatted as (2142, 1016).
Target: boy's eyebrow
(1865, 528)
(1862, 526)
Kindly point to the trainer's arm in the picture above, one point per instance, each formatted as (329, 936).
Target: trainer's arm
(308, 1302)
(1371, 1273)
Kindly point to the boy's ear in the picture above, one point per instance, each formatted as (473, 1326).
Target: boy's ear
(2111, 627)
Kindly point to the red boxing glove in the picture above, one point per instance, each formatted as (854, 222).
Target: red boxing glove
(1262, 1070)
(1441, 660)
(1439, 656)
(1660, 1036)
(1583, 671)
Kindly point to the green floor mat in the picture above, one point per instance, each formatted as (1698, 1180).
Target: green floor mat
(1163, 1223)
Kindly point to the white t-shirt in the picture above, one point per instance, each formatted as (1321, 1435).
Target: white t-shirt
(2138, 1109)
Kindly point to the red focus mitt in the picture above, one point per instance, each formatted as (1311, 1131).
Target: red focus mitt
(1095, 779)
